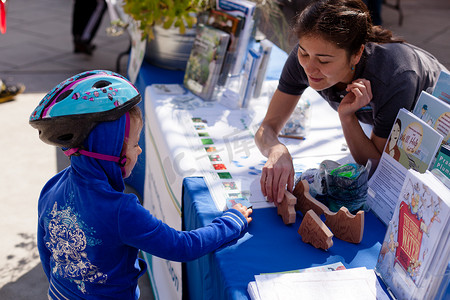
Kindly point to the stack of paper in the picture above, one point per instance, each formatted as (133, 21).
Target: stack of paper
(358, 283)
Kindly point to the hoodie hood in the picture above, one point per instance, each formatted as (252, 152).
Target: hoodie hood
(106, 138)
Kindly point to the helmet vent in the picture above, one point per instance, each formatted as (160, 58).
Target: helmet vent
(101, 84)
(63, 96)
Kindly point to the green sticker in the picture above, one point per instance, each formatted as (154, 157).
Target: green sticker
(207, 141)
(224, 175)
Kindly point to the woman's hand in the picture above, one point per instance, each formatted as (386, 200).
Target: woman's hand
(277, 173)
(359, 95)
(361, 147)
(244, 210)
(278, 170)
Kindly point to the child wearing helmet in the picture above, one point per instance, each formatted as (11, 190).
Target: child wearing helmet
(89, 230)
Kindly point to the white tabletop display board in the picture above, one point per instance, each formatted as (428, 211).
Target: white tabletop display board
(186, 136)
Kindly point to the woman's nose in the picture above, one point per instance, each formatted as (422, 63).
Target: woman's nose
(310, 67)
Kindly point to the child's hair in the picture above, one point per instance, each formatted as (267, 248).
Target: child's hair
(136, 113)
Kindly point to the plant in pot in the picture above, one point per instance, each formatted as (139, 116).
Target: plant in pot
(169, 26)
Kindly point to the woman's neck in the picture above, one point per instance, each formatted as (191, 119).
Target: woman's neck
(341, 86)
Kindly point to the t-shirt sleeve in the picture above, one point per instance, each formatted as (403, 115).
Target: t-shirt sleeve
(293, 80)
(402, 94)
(140, 229)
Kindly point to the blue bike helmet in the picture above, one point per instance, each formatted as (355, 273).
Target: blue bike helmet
(68, 113)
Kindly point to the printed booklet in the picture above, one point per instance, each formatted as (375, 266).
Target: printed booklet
(232, 25)
(443, 161)
(435, 112)
(205, 61)
(265, 49)
(246, 10)
(248, 78)
(415, 251)
(412, 144)
(442, 87)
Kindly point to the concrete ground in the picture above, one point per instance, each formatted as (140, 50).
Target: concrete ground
(37, 50)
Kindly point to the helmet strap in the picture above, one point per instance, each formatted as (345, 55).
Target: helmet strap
(120, 160)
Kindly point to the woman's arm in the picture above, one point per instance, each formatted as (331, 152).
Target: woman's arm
(361, 147)
(278, 170)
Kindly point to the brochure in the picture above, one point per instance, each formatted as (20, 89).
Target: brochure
(442, 87)
(205, 61)
(435, 113)
(415, 251)
(246, 10)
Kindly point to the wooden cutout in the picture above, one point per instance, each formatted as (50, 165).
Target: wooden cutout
(287, 208)
(315, 232)
(343, 224)
(346, 226)
(305, 201)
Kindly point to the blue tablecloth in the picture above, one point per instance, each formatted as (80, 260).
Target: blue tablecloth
(268, 246)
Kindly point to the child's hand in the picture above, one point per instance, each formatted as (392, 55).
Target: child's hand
(244, 210)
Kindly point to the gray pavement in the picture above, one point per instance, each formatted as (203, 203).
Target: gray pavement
(37, 50)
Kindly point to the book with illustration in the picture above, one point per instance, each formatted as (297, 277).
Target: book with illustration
(246, 10)
(412, 144)
(233, 26)
(415, 251)
(442, 87)
(435, 112)
(205, 61)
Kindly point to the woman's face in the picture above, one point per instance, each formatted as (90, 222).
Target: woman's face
(324, 63)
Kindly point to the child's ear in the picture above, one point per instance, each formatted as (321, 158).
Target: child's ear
(127, 161)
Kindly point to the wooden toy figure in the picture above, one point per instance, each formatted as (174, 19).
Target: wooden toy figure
(315, 232)
(286, 209)
(343, 224)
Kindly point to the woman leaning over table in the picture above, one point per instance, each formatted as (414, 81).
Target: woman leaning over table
(361, 70)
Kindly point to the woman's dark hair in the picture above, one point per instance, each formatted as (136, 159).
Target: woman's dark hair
(346, 23)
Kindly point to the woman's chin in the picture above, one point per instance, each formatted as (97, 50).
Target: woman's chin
(317, 85)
